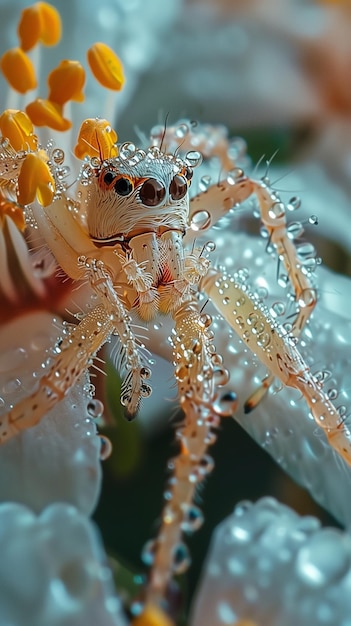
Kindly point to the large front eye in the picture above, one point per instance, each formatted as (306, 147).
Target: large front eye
(123, 186)
(152, 192)
(178, 187)
(109, 177)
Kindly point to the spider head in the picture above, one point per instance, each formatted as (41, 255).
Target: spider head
(137, 192)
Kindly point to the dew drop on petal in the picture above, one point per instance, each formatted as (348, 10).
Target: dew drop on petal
(325, 559)
(95, 408)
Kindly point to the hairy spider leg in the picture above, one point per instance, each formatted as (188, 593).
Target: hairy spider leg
(257, 329)
(199, 373)
(217, 200)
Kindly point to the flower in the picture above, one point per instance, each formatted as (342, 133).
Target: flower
(70, 457)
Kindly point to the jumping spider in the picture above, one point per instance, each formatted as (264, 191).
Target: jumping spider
(130, 232)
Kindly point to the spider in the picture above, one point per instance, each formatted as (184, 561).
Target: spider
(130, 232)
(128, 227)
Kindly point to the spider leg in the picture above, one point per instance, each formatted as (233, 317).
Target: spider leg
(75, 352)
(246, 315)
(72, 358)
(217, 200)
(198, 371)
(134, 386)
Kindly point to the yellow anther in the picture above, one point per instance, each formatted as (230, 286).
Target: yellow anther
(96, 139)
(35, 180)
(152, 615)
(39, 23)
(18, 129)
(46, 113)
(106, 66)
(66, 82)
(13, 211)
(18, 70)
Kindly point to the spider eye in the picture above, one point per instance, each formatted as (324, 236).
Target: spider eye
(108, 177)
(152, 192)
(123, 186)
(178, 187)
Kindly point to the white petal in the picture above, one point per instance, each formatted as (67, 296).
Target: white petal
(57, 460)
(53, 570)
(269, 565)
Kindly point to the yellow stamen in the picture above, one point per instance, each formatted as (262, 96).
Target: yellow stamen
(36, 180)
(46, 113)
(106, 66)
(40, 22)
(13, 211)
(66, 82)
(18, 129)
(96, 139)
(152, 616)
(18, 70)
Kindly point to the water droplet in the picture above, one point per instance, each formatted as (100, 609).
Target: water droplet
(181, 131)
(262, 292)
(95, 408)
(127, 150)
(294, 203)
(200, 220)
(206, 320)
(322, 375)
(332, 394)
(145, 373)
(305, 251)
(204, 183)
(226, 405)
(193, 158)
(145, 391)
(148, 552)
(193, 518)
(221, 376)
(277, 211)
(210, 246)
(307, 298)
(240, 301)
(235, 175)
(206, 465)
(325, 559)
(95, 162)
(283, 280)
(242, 508)
(313, 219)
(181, 558)
(278, 308)
(210, 438)
(106, 448)
(342, 410)
(58, 156)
